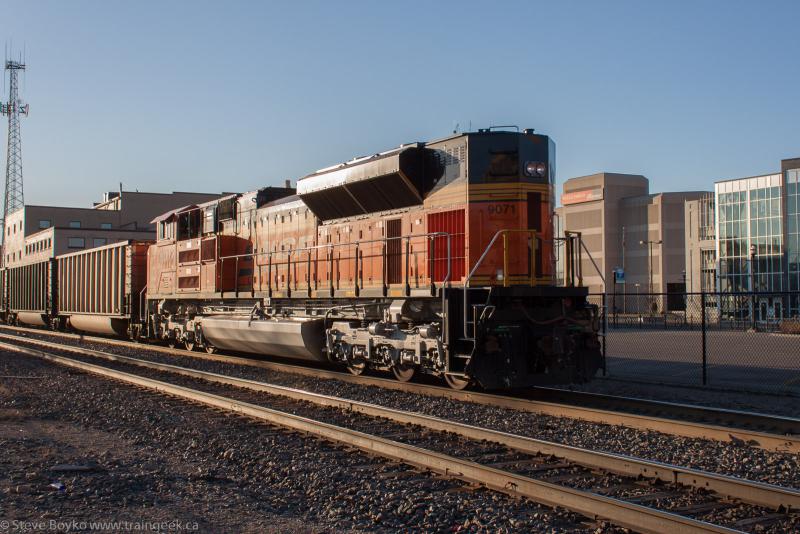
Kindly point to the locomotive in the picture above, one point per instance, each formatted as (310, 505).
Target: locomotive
(435, 258)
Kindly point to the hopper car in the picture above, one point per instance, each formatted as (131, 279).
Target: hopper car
(435, 258)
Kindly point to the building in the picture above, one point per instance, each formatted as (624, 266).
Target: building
(758, 239)
(590, 205)
(36, 233)
(626, 228)
(790, 168)
(701, 245)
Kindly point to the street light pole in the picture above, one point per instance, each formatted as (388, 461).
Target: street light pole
(649, 266)
(753, 287)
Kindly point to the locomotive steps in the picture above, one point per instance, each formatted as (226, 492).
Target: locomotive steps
(489, 452)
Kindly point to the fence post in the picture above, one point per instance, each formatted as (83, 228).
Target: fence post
(703, 335)
(605, 331)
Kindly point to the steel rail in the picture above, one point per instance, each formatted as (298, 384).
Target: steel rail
(733, 418)
(624, 514)
(764, 440)
(752, 492)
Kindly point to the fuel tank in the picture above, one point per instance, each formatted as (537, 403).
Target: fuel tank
(32, 318)
(99, 324)
(300, 338)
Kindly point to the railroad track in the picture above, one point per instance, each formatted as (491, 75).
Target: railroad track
(769, 432)
(629, 492)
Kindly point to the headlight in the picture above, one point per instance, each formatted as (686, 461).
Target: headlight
(535, 168)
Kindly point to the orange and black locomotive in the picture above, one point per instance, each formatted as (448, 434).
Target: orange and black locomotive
(433, 258)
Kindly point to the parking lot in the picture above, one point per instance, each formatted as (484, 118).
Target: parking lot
(735, 359)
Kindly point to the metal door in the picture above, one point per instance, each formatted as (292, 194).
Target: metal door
(394, 251)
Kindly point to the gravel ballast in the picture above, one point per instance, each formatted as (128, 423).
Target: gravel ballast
(79, 447)
(734, 459)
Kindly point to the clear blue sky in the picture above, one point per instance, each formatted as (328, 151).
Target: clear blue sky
(206, 96)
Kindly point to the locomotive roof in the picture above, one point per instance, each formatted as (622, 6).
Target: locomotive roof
(394, 151)
(284, 200)
(361, 159)
(529, 131)
(171, 213)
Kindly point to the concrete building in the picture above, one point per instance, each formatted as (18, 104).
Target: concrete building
(625, 227)
(36, 233)
(701, 245)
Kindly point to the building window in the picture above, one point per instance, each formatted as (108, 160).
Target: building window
(105, 226)
(44, 223)
(99, 241)
(74, 224)
(76, 242)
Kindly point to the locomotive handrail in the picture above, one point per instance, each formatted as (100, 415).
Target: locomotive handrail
(488, 248)
(141, 303)
(574, 258)
(331, 246)
(486, 251)
(572, 255)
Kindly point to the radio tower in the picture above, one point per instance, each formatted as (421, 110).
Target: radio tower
(13, 108)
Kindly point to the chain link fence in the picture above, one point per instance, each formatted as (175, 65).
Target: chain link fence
(736, 341)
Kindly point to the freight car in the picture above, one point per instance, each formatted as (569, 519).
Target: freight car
(433, 258)
(97, 290)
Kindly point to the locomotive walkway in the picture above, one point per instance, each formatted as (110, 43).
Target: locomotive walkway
(619, 488)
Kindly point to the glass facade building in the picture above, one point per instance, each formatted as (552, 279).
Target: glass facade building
(758, 239)
(792, 179)
(749, 214)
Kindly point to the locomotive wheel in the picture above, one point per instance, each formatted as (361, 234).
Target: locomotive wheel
(403, 373)
(189, 345)
(356, 368)
(211, 349)
(456, 382)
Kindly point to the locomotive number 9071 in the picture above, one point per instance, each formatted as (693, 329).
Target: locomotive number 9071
(502, 209)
